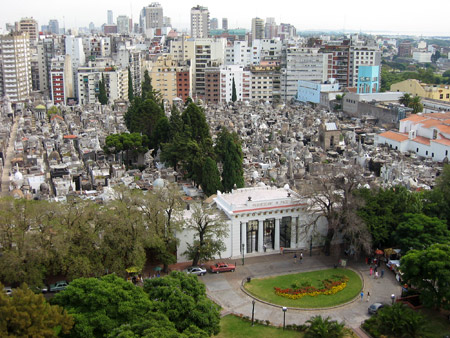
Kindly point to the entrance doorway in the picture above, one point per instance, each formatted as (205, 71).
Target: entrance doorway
(269, 233)
(252, 236)
(285, 232)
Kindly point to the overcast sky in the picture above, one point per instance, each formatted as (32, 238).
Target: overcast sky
(396, 16)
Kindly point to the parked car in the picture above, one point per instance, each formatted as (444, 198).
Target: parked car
(7, 290)
(375, 307)
(195, 270)
(222, 267)
(58, 286)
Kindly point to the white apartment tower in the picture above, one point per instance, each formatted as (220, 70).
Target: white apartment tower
(257, 28)
(15, 66)
(74, 48)
(110, 17)
(199, 22)
(123, 24)
(30, 26)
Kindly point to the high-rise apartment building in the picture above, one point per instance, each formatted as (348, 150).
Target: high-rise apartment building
(61, 79)
(151, 17)
(257, 28)
(110, 19)
(30, 26)
(199, 22)
(53, 26)
(214, 23)
(15, 66)
(123, 24)
(225, 24)
(74, 48)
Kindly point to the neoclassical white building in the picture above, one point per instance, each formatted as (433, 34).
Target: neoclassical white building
(264, 219)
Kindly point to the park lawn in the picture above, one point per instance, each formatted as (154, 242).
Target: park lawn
(235, 327)
(263, 288)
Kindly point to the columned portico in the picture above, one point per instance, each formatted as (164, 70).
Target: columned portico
(261, 235)
(277, 234)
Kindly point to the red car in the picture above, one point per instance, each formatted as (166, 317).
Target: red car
(222, 267)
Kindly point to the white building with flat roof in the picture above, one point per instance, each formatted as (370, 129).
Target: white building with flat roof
(266, 219)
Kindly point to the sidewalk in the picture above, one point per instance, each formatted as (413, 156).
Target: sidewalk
(225, 289)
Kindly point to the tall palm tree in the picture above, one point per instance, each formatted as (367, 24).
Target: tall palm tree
(416, 105)
(324, 328)
(405, 100)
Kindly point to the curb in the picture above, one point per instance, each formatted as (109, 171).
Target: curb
(298, 308)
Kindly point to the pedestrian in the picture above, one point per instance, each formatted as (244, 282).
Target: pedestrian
(301, 257)
(367, 260)
(295, 258)
(368, 296)
(376, 275)
(265, 248)
(370, 271)
(362, 295)
(376, 268)
(382, 273)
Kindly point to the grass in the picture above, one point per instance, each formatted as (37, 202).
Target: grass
(234, 327)
(264, 288)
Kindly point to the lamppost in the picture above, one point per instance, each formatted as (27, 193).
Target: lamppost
(284, 317)
(310, 246)
(253, 312)
(243, 253)
(393, 298)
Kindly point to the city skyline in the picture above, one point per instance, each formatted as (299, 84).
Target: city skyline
(400, 17)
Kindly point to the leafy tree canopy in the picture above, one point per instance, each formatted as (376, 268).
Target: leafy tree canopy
(26, 314)
(429, 271)
(100, 305)
(182, 298)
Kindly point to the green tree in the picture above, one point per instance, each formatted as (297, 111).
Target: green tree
(416, 105)
(384, 209)
(162, 211)
(405, 99)
(418, 231)
(397, 321)
(210, 177)
(228, 149)
(319, 327)
(100, 305)
(26, 314)
(102, 96)
(142, 117)
(185, 302)
(147, 89)
(428, 270)
(233, 92)
(132, 144)
(209, 232)
(130, 86)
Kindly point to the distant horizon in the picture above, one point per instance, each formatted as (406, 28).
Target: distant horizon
(401, 17)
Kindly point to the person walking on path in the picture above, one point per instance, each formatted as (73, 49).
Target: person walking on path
(376, 275)
(295, 258)
(371, 271)
(368, 296)
(382, 273)
(362, 295)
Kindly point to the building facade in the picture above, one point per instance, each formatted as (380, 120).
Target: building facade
(200, 22)
(61, 79)
(427, 135)
(430, 91)
(15, 66)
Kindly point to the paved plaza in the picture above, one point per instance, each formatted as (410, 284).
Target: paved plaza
(225, 288)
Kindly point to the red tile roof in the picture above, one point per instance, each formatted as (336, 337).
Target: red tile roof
(444, 129)
(399, 137)
(444, 141)
(423, 140)
(71, 137)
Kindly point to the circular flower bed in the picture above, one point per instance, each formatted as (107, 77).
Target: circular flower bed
(330, 287)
